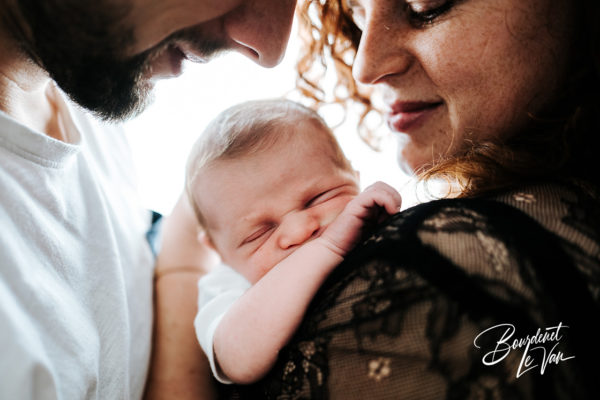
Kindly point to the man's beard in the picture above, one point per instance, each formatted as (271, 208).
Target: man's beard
(113, 90)
(81, 45)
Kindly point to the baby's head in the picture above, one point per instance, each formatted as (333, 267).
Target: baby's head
(264, 178)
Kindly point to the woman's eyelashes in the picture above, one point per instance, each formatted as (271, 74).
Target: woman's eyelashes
(419, 13)
(425, 12)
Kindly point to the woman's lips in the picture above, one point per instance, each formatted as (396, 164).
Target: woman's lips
(407, 115)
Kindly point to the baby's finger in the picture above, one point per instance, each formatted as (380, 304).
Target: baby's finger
(385, 196)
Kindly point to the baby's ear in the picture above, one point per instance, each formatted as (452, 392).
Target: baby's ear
(205, 239)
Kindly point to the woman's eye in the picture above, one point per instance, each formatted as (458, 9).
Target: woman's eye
(425, 12)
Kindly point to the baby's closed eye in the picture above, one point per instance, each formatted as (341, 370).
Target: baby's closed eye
(257, 234)
(326, 195)
(318, 199)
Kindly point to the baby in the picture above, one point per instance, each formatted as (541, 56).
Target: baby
(279, 202)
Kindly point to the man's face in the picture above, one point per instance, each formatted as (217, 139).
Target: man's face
(105, 54)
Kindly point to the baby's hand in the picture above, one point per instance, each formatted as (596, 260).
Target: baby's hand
(370, 207)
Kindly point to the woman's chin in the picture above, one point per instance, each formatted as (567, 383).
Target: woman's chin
(409, 160)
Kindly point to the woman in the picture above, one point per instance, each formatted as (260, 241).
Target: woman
(488, 295)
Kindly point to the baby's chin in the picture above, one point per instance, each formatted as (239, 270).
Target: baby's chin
(252, 273)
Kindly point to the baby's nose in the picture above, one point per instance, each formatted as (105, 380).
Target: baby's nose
(297, 229)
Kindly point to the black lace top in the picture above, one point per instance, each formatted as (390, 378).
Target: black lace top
(512, 280)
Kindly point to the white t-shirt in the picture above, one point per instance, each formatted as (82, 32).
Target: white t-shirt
(75, 268)
(217, 291)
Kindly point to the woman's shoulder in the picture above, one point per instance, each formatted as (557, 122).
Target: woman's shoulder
(548, 203)
(529, 243)
(527, 255)
(494, 229)
(569, 209)
(406, 305)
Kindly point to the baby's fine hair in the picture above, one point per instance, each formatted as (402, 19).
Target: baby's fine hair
(248, 128)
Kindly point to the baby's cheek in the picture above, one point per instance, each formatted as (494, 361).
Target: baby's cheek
(261, 262)
(333, 209)
(328, 217)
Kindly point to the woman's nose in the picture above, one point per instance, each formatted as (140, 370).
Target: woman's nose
(381, 51)
(297, 228)
(261, 29)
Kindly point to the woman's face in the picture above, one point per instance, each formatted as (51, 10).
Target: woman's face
(457, 72)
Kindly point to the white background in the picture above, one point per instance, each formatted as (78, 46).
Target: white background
(162, 136)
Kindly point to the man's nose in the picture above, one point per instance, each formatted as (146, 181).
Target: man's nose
(261, 29)
(297, 228)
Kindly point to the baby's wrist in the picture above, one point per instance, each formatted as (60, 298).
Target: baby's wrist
(330, 246)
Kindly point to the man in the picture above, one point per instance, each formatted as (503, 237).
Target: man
(75, 269)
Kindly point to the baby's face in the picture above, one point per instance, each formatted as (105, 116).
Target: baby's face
(262, 207)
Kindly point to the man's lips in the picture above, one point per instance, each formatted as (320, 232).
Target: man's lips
(190, 53)
(168, 62)
(406, 115)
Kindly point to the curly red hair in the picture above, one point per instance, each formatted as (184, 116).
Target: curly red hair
(566, 145)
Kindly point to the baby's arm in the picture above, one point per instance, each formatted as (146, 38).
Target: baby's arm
(262, 321)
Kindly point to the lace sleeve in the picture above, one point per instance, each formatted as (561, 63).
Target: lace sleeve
(399, 317)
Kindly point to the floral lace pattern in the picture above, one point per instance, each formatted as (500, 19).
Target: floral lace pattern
(398, 318)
